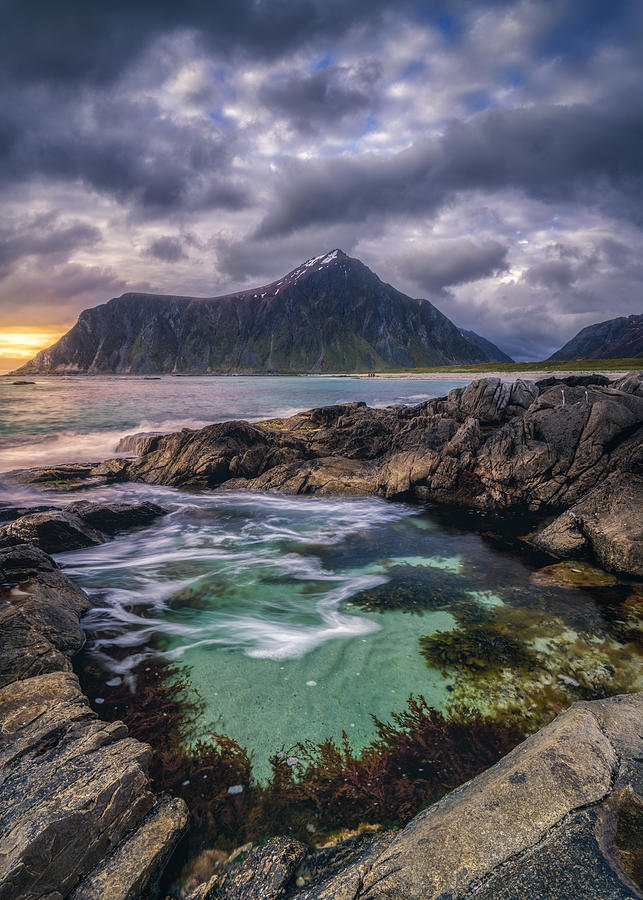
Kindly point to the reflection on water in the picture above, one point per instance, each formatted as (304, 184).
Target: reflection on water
(303, 617)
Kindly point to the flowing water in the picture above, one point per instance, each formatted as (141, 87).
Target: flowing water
(301, 618)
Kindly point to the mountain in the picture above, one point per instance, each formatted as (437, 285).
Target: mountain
(620, 338)
(331, 314)
(494, 354)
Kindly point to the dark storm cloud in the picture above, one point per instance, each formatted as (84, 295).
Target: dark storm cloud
(43, 236)
(450, 262)
(76, 40)
(555, 273)
(167, 249)
(323, 97)
(551, 153)
(121, 147)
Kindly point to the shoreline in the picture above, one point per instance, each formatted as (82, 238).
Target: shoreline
(503, 374)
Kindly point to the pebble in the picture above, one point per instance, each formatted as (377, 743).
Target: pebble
(235, 789)
(292, 761)
(311, 683)
(99, 700)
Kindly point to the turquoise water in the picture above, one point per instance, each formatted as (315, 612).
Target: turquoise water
(67, 419)
(261, 595)
(301, 618)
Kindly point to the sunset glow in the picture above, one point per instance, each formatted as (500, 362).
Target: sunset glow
(24, 344)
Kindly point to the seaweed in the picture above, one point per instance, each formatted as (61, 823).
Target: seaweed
(475, 648)
(413, 589)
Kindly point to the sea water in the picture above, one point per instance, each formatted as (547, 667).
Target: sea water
(301, 618)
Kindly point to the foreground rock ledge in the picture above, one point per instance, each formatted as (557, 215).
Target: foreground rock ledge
(75, 798)
(559, 818)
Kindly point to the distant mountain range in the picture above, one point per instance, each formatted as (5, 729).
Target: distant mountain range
(620, 338)
(331, 314)
(494, 354)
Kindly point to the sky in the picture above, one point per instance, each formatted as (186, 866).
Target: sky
(486, 155)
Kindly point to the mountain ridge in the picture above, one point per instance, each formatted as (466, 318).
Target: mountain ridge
(619, 338)
(330, 314)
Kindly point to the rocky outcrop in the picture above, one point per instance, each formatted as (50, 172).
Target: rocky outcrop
(331, 314)
(82, 524)
(543, 447)
(262, 875)
(75, 798)
(540, 446)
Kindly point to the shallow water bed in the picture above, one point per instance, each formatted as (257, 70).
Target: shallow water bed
(301, 618)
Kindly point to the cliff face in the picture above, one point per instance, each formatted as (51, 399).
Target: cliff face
(331, 314)
(620, 338)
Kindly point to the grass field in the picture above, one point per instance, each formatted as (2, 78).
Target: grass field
(575, 365)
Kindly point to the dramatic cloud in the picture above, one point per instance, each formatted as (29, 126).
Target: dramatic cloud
(487, 154)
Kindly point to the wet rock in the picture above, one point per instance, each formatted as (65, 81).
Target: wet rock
(53, 531)
(71, 787)
(39, 615)
(529, 826)
(133, 868)
(112, 517)
(576, 573)
(141, 442)
(263, 874)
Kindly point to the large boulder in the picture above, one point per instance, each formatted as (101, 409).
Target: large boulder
(110, 518)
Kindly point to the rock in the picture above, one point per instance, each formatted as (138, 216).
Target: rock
(11, 513)
(577, 573)
(133, 868)
(112, 517)
(71, 787)
(491, 445)
(39, 615)
(607, 521)
(262, 875)
(53, 531)
(632, 383)
(141, 442)
(491, 400)
(546, 821)
(573, 381)
(23, 382)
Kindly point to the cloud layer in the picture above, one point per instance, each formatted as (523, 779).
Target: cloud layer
(488, 155)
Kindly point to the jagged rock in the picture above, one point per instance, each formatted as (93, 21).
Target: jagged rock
(262, 875)
(39, 615)
(632, 383)
(112, 517)
(543, 822)
(608, 521)
(71, 786)
(491, 400)
(53, 531)
(132, 869)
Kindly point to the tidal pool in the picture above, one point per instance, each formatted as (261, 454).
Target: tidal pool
(301, 618)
